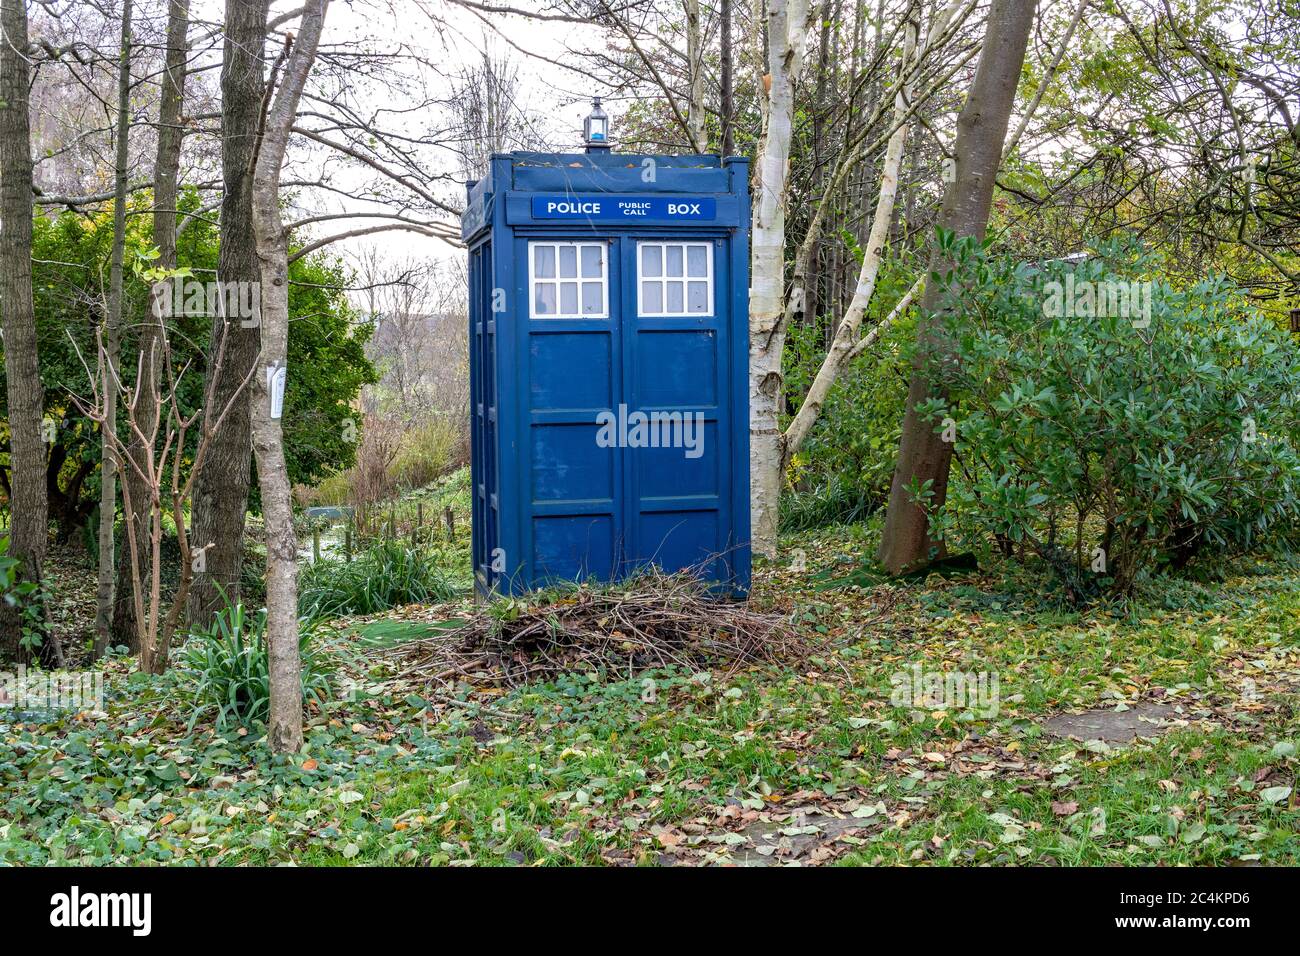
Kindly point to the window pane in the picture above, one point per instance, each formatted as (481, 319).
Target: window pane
(592, 303)
(544, 262)
(652, 298)
(651, 261)
(544, 299)
(696, 261)
(568, 262)
(697, 296)
(674, 297)
(569, 298)
(674, 261)
(591, 261)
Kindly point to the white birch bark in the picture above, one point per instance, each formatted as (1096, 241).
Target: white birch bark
(846, 334)
(787, 31)
(769, 453)
(284, 729)
(695, 59)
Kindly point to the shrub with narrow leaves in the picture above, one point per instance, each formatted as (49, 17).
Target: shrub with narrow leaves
(228, 668)
(389, 574)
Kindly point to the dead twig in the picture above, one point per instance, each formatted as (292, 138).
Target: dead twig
(654, 620)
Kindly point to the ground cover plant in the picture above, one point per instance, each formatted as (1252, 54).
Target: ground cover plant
(812, 761)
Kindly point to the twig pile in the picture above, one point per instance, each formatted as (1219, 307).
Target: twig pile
(654, 620)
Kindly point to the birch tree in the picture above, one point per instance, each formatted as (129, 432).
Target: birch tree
(696, 131)
(923, 456)
(284, 730)
(848, 331)
(787, 35)
(768, 464)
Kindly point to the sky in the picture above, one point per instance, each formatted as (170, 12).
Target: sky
(551, 92)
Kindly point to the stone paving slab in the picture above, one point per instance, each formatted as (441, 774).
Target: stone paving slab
(1144, 719)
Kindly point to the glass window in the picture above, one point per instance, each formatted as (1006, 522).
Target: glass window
(555, 269)
(544, 261)
(652, 298)
(568, 262)
(651, 260)
(675, 260)
(662, 270)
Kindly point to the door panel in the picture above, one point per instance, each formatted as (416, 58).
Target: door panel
(678, 493)
(575, 518)
(659, 495)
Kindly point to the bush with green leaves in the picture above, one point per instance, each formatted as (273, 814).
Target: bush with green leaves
(229, 670)
(25, 596)
(1110, 440)
(386, 575)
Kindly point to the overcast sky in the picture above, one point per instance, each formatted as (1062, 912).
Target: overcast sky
(550, 93)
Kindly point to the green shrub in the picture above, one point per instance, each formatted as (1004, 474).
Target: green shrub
(25, 596)
(387, 575)
(228, 666)
(1111, 444)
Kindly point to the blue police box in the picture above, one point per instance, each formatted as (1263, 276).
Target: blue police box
(609, 314)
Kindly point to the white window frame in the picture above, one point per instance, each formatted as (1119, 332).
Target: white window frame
(534, 280)
(663, 279)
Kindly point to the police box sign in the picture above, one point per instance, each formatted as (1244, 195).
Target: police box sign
(603, 207)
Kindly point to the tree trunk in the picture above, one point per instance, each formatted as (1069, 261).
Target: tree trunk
(284, 730)
(981, 130)
(28, 502)
(787, 29)
(695, 64)
(166, 171)
(112, 340)
(725, 79)
(846, 333)
(221, 497)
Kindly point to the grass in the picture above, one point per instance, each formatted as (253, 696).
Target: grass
(386, 575)
(593, 769)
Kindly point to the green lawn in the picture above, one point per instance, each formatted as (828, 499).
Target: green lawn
(689, 769)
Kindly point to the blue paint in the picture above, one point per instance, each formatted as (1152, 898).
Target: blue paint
(646, 210)
(609, 422)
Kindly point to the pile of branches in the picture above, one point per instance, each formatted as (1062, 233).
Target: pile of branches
(653, 620)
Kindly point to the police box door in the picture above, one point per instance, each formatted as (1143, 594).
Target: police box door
(626, 371)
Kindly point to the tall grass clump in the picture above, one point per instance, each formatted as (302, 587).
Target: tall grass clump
(836, 501)
(388, 574)
(228, 667)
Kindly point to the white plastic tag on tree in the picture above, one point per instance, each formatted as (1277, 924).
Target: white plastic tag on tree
(275, 381)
